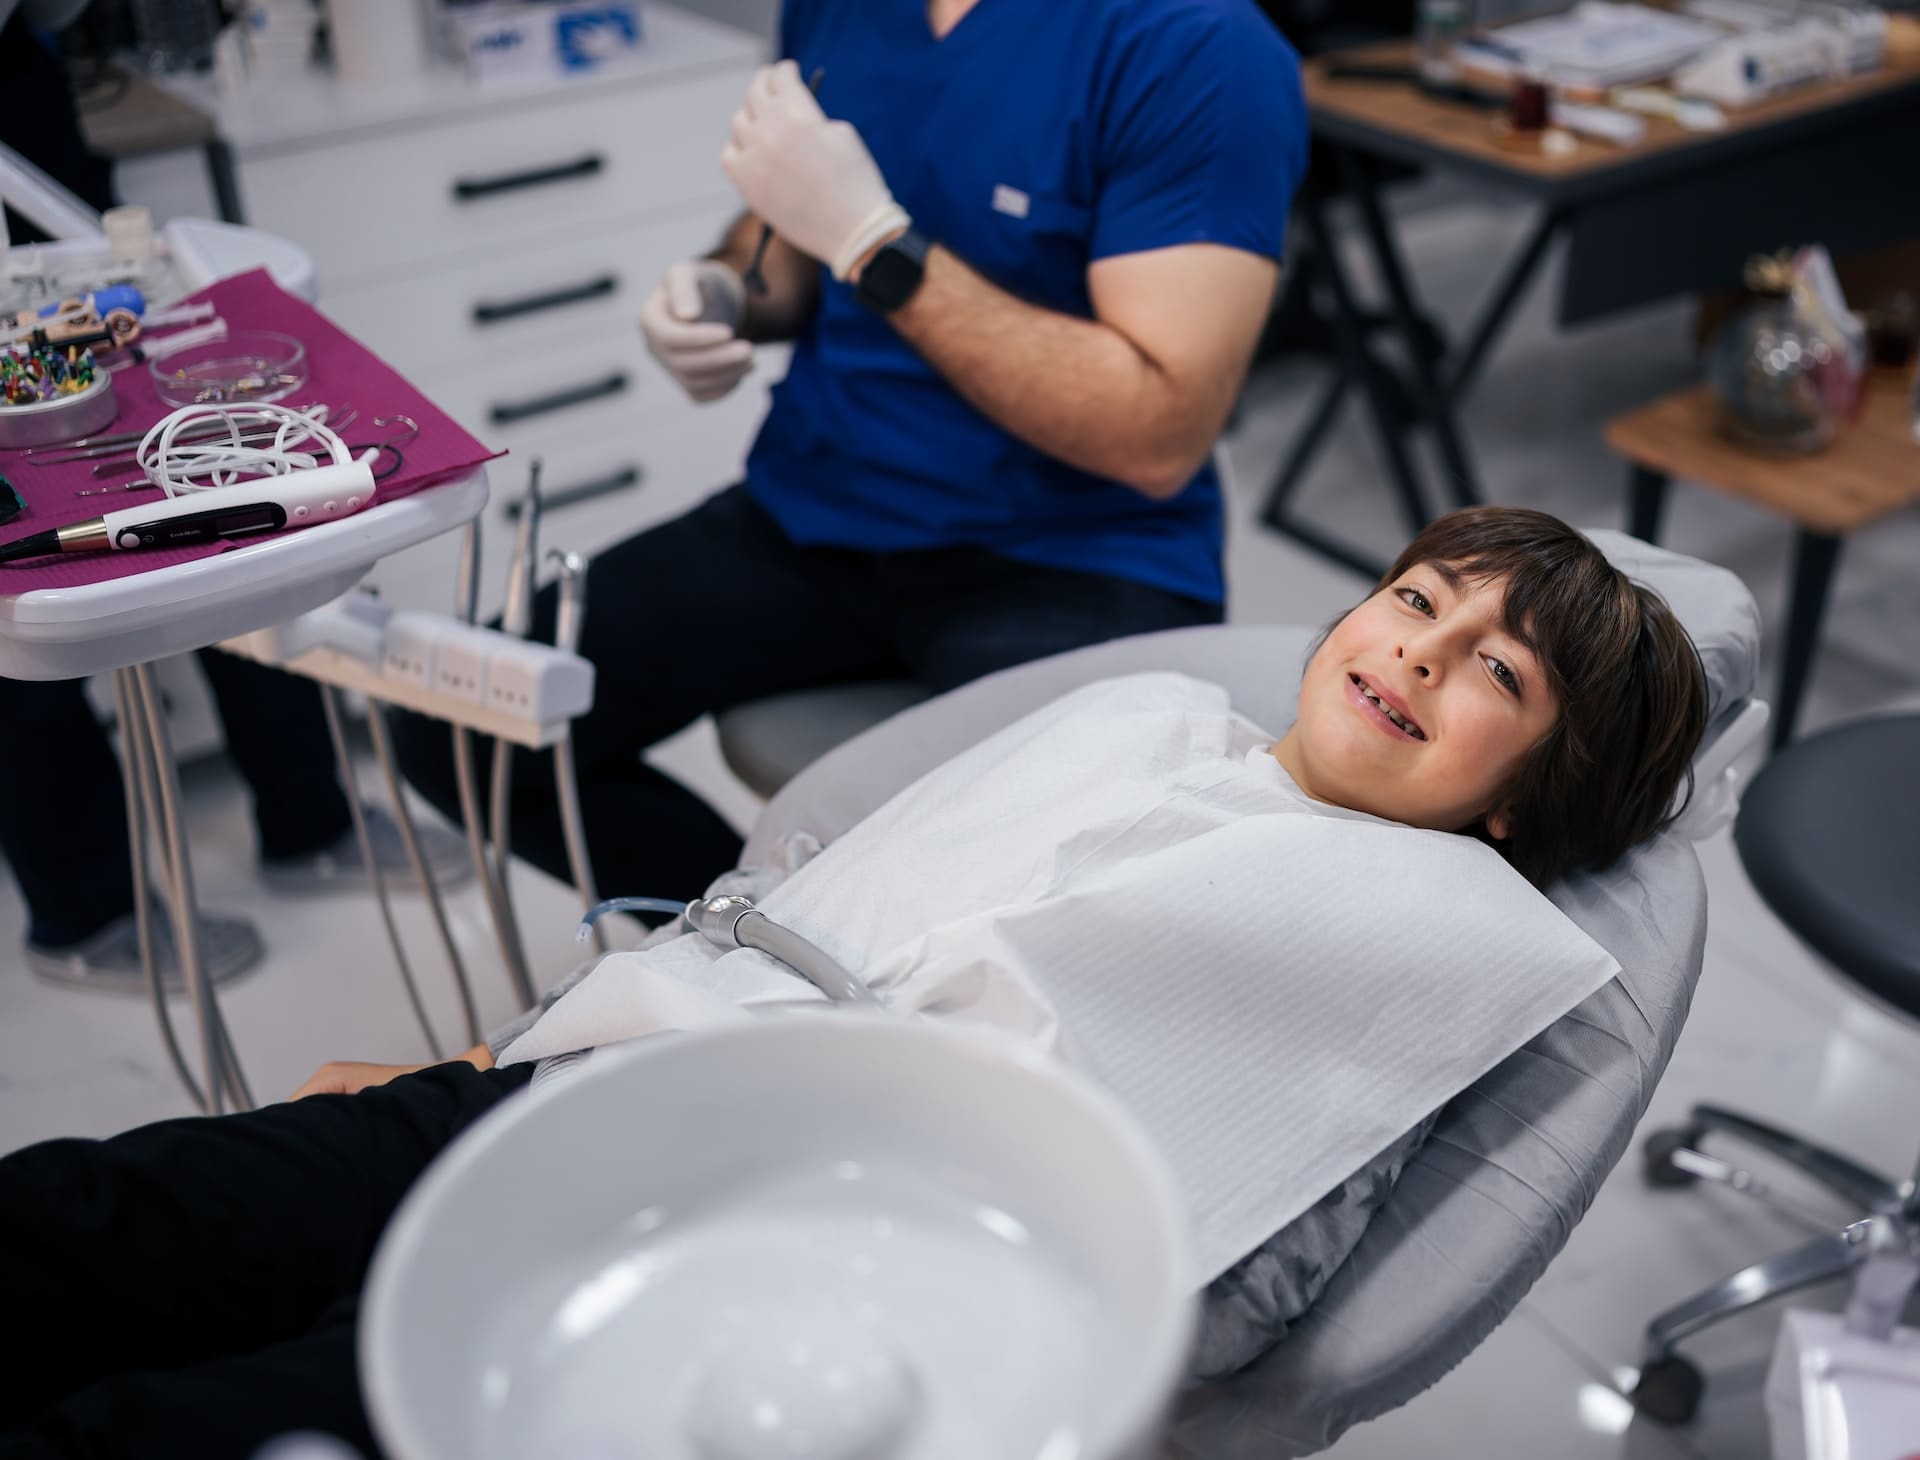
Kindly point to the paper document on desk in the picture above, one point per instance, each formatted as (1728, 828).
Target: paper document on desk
(1603, 44)
(1276, 989)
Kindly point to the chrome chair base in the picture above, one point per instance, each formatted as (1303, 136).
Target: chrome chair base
(1669, 1387)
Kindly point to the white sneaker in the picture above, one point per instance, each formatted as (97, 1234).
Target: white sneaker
(110, 959)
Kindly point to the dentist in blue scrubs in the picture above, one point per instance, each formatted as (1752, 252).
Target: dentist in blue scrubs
(1023, 250)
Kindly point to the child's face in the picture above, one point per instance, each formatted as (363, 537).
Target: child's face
(1475, 699)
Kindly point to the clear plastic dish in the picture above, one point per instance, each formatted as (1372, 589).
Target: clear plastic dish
(247, 367)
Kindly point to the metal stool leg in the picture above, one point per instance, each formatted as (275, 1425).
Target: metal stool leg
(1862, 1186)
(1814, 557)
(1814, 1262)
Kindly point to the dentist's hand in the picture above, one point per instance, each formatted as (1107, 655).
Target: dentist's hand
(691, 323)
(811, 179)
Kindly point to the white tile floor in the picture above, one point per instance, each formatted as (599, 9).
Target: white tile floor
(1770, 1031)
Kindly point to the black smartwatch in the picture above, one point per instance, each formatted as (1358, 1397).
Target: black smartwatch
(893, 274)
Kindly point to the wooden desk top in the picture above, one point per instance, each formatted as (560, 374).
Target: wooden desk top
(1872, 468)
(1394, 111)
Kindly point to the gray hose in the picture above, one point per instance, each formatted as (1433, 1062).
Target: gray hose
(500, 818)
(574, 830)
(568, 623)
(350, 783)
(186, 931)
(503, 926)
(410, 835)
(133, 746)
(466, 604)
(516, 619)
(757, 930)
(734, 922)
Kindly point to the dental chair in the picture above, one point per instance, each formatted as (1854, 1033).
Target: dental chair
(1507, 1168)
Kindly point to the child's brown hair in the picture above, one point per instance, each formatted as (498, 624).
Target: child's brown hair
(1627, 679)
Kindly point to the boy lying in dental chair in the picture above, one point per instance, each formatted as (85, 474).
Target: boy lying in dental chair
(198, 1279)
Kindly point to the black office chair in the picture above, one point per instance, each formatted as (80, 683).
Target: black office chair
(1826, 834)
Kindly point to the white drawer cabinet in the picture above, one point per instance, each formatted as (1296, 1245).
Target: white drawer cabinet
(473, 186)
(495, 247)
(598, 488)
(541, 300)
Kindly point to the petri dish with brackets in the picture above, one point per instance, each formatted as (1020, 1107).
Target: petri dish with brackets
(247, 367)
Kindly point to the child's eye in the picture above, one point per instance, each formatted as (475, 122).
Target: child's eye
(1417, 601)
(1506, 676)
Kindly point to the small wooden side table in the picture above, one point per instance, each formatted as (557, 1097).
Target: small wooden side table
(1871, 469)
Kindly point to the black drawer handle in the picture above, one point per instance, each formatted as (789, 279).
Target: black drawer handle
(598, 288)
(466, 189)
(579, 395)
(606, 486)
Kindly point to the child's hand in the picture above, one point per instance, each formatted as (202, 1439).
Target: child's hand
(350, 1077)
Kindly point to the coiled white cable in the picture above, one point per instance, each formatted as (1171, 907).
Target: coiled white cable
(258, 441)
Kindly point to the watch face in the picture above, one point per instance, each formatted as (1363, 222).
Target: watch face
(889, 279)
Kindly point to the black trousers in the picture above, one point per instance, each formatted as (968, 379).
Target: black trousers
(720, 607)
(63, 819)
(190, 1288)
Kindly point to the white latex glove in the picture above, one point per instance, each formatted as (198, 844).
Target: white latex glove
(690, 323)
(813, 180)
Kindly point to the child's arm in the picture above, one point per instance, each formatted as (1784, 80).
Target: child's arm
(350, 1077)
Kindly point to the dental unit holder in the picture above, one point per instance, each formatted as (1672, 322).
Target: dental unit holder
(516, 691)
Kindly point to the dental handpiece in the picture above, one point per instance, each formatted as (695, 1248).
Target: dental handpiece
(523, 567)
(296, 499)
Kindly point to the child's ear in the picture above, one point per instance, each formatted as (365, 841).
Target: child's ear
(1500, 823)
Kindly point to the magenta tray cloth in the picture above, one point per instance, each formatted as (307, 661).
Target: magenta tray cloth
(340, 371)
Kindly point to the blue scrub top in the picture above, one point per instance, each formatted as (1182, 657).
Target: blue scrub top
(1036, 138)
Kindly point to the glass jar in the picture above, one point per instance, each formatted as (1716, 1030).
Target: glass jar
(1765, 371)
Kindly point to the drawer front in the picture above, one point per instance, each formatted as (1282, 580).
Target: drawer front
(545, 299)
(609, 388)
(369, 209)
(597, 488)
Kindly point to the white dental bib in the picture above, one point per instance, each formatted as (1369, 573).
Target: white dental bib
(1274, 988)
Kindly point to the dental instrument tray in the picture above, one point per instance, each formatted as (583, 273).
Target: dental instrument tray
(247, 367)
(340, 372)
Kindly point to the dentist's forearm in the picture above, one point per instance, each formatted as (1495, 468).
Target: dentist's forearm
(1074, 388)
(793, 282)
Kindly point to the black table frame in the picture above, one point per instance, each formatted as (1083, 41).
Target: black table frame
(1817, 154)
(1816, 556)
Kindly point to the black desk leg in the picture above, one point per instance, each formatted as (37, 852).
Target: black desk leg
(1647, 502)
(1493, 318)
(1430, 394)
(1306, 446)
(1362, 368)
(1814, 557)
(226, 187)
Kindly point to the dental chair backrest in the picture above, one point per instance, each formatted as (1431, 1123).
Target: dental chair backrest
(1513, 1163)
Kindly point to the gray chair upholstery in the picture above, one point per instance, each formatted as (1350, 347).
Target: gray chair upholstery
(768, 742)
(1512, 1164)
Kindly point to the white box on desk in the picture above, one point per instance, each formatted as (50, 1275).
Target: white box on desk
(530, 42)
